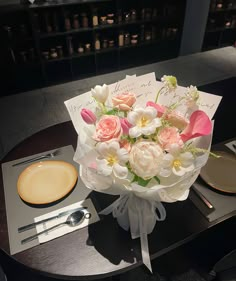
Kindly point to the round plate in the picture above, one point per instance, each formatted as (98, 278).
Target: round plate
(46, 182)
(220, 173)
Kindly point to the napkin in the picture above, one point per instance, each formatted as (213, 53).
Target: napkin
(64, 229)
(224, 205)
(230, 145)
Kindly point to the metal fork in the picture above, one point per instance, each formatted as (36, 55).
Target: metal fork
(37, 158)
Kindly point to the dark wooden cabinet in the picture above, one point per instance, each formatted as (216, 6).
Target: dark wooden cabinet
(221, 25)
(51, 42)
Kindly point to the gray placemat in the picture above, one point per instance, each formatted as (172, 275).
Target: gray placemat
(224, 205)
(19, 213)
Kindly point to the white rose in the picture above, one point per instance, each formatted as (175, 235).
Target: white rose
(100, 93)
(145, 159)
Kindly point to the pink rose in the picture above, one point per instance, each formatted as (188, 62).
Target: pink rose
(160, 108)
(125, 125)
(177, 120)
(124, 101)
(108, 128)
(168, 136)
(88, 116)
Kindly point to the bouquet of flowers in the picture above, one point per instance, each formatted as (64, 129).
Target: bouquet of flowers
(144, 150)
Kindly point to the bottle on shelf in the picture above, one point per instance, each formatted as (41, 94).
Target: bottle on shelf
(143, 12)
(36, 22)
(213, 5)
(97, 43)
(148, 14)
(9, 33)
(84, 20)
(95, 17)
(211, 23)
(111, 43)
(59, 51)
(23, 32)
(70, 46)
(134, 39)
(228, 22)
(148, 35)
(88, 47)
(154, 32)
(133, 14)
(55, 22)
(110, 18)
(142, 32)
(31, 54)
(121, 39)
(154, 13)
(104, 43)
(229, 4)
(219, 4)
(80, 49)
(67, 22)
(53, 53)
(76, 21)
(47, 20)
(119, 16)
(233, 24)
(103, 20)
(126, 16)
(23, 57)
(127, 39)
(45, 55)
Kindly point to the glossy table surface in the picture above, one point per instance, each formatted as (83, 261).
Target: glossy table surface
(103, 249)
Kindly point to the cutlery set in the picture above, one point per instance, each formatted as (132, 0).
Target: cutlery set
(76, 216)
(38, 158)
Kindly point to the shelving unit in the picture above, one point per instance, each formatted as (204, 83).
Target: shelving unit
(61, 38)
(221, 25)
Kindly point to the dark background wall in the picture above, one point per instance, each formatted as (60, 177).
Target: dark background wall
(7, 2)
(194, 26)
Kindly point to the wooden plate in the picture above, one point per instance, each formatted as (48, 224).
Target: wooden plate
(220, 173)
(46, 182)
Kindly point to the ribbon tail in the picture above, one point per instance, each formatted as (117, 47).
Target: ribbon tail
(114, 205)
(144, 244)
(161, 209)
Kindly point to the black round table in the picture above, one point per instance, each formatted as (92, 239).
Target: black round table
(103, 249)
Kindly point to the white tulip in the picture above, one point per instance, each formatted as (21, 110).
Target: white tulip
(100, 93)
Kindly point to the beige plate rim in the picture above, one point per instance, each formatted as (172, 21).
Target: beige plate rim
(229, 156)
(46, 162)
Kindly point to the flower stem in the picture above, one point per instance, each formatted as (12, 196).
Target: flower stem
(158, 94)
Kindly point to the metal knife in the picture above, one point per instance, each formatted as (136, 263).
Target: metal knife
(203, 198)
(32, 225)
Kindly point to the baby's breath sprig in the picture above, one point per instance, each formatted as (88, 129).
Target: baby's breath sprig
(196, 150)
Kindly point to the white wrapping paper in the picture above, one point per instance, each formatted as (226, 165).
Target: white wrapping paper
(138, 208)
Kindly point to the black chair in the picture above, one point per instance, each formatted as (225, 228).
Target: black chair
(225, 268)
(2, 275)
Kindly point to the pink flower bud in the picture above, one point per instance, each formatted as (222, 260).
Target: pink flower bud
(125, 125)
(88, 116)
(160, 108)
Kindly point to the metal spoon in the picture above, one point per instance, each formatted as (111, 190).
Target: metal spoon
(73, 220)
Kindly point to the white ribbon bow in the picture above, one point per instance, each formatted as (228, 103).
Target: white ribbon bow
(140, 216)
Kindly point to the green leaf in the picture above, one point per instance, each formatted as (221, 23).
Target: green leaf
(143, 182)
(157, 179)
(140, 181)
(112, 111)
